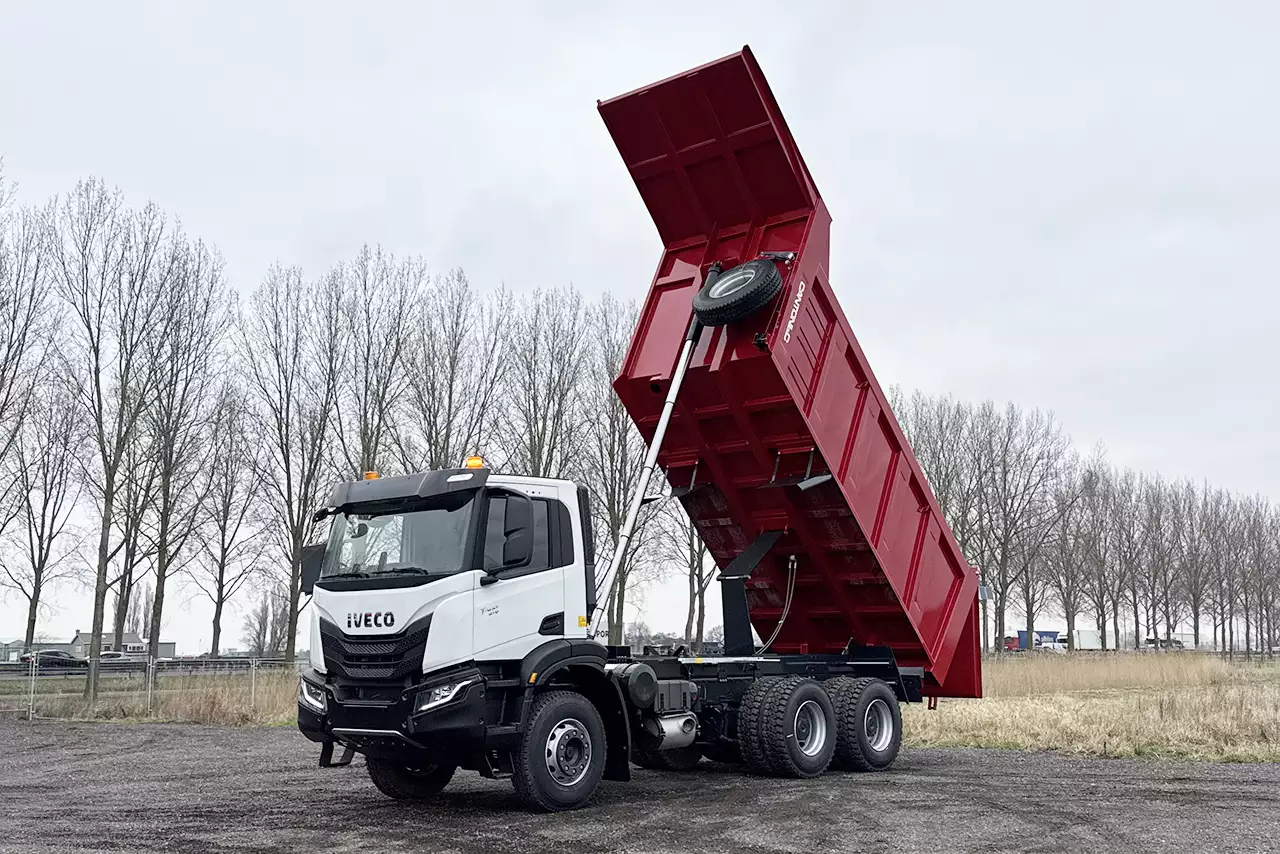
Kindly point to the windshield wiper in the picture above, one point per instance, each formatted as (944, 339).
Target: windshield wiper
(355, 574)
(416, 570)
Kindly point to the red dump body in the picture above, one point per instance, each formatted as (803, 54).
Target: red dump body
(783, 394)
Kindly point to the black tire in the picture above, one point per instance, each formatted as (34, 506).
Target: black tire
(568, 724)
(798, 728)
(738, 293)
(408, 784)
(864, 707)
(748, 732)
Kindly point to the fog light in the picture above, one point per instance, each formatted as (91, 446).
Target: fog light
(440, 694)
(312, 696)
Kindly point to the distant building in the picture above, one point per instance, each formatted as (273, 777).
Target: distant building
(11, 650)
(129, 642)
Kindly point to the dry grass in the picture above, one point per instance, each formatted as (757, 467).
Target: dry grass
(1175, 706)
(214, 699)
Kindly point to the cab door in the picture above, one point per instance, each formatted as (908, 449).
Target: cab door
(520, 606)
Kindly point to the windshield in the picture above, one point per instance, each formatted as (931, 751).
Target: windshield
(397, 542)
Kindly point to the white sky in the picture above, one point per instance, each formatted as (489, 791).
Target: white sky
(1073, 207)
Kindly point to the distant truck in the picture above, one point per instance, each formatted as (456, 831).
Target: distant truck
(455, 618)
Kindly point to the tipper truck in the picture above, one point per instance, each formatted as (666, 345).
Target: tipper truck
(454, 613)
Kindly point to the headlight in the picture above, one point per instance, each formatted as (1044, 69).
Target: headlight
(440, 694)
(312, 695)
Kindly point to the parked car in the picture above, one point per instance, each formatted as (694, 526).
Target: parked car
(55, 659)
(1051, 645)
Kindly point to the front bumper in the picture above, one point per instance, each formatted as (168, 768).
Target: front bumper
(453, 730)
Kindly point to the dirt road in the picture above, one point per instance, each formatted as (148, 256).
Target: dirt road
(151, 788)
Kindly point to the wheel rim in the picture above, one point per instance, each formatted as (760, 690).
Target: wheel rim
(811, 728)
(568, 752)
(877, 723)
(729, 284)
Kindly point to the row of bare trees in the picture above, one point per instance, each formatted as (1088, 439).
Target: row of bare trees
(159, 436)
(1054, 531)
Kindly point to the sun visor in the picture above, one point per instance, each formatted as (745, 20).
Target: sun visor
(709, 150)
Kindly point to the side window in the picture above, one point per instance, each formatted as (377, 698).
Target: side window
(495, 535)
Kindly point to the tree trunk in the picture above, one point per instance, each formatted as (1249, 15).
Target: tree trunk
(1071, 631)
(162, 571)
(100, 594)
(1137, 624)
(1195, 622)
(1115, 621)
(33, 606)
(217, 624)
(689, 615)
(702, 617)
(1031, 631)
(986, 627)
(295, 593)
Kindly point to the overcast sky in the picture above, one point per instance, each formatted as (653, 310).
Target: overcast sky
(1073, 208)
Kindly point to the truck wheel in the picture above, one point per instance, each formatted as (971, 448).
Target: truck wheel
(798, 728)
(748, 731)
(869, 723)
(738, 292)
(405, 783)
(561, 758)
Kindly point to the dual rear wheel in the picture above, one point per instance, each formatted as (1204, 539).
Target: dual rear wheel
(794, 726)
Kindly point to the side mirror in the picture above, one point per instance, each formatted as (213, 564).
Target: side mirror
(518, 530)
(311, 559)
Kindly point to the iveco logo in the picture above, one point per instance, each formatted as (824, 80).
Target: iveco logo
(371, 620)
(795, 308)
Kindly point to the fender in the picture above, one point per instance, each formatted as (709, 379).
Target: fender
(581, 663)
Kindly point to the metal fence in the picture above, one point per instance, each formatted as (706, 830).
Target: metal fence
(213, 690)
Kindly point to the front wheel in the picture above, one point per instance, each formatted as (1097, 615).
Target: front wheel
(405, 783)
(561, 757)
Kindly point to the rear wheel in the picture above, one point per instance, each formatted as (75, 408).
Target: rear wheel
(561, 757)
(868, 723)
(748, 727)
(405, 783)
(798, 728)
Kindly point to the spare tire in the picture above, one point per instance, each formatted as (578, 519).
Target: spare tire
(737, 293)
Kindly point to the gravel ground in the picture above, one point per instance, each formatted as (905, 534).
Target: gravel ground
(150, 787)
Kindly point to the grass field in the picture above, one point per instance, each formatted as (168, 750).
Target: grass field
(1177, 705)
(1180, 705)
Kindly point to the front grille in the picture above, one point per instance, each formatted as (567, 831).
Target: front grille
(375, 656)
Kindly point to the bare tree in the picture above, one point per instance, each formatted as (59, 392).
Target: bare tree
(45, 462)
(612, 456)
(1191, 511)
(196, 309)
(1101, 583)
(140, 611)
(545, 411)
(457, 363)
(1020, 458)
(134, 559)
(1071, 551)
(267, 624)
(287, 343)
(680, 542)
(376, 294)
(231, 547)
(1130, 544)
(113, 268)
(26, 317)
